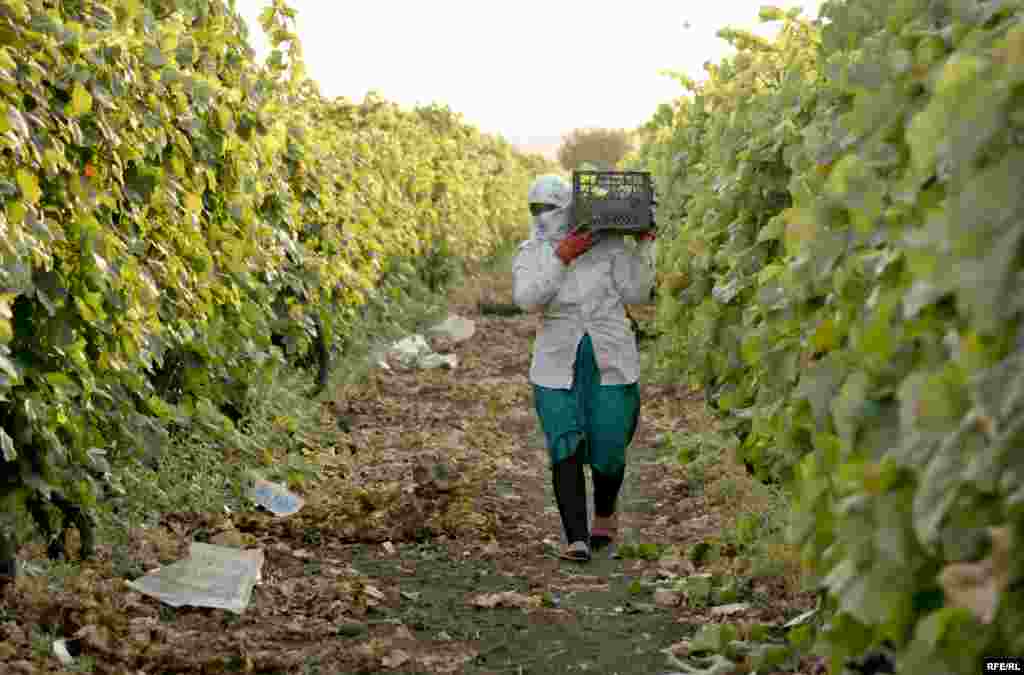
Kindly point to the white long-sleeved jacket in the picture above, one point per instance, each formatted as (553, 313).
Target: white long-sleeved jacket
(586, 296)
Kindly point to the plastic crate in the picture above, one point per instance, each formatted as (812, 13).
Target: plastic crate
(612, 200)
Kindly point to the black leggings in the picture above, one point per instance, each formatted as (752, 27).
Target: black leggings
(571, 495)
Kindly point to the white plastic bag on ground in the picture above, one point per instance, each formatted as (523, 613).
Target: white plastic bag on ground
(212, 576)
(408, 351)
(415, 352)
(458, 328)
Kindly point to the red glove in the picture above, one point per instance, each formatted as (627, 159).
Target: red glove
(574, 245)
(651, 233)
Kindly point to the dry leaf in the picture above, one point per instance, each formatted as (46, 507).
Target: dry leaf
(665, 597)
(95, 637)
(728, 610)
(976, 586)
(395, 659)
(506, 599)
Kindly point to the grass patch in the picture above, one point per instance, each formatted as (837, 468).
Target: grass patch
(754, 515)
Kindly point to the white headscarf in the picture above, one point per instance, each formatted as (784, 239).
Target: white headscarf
(552, 225)
(554, 190)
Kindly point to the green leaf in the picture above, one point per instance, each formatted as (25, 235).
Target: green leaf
(817, 385)
(825, 337)
(769, 657)
(939, 490)
(62, 383)
(848, 406)
(28, 182)
(81, 101)
(934, 626)
(713, 638)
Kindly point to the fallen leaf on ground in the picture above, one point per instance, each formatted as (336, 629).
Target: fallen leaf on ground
(667, 598)
(507, 599)
(395, 659)
(374, 592)
(730, 609)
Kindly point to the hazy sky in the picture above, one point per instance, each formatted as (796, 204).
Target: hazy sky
(524, 68)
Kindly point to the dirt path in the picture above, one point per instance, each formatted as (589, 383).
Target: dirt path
(427, 547)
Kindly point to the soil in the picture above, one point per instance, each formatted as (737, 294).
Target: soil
(427, 546)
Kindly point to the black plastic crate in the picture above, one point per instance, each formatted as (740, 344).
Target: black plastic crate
(612, 200)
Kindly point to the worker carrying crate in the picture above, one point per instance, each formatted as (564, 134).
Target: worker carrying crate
(585, 367)
(617, 201)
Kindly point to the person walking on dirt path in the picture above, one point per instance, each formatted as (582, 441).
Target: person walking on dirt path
(586, 366)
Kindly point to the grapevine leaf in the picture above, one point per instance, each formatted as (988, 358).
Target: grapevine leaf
(848, 407)
(28, 182)
(81, 101)
(817, 385)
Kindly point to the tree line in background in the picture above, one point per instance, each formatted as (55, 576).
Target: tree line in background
(605, 148)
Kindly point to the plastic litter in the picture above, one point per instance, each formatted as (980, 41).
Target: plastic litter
(212, 576)
(456, 327)
(60, 650)
(408, 351)
(275, 497)
(415, 352)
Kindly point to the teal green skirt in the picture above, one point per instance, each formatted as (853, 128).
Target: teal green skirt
(604, 417)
